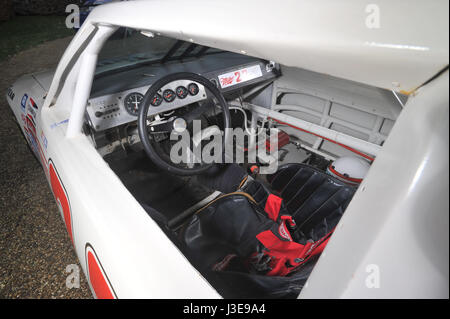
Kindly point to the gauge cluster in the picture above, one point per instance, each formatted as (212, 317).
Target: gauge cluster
(112, 110)
(118, 97)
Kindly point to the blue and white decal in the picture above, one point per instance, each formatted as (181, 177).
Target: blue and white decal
(23, 102)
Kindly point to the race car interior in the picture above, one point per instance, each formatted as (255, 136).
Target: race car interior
(253, 225)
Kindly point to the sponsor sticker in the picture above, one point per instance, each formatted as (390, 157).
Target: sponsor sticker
(239, 76)
(31, 111)
(30, 130)
(23, 102)
(11, 94)
(33, 104)
(44, 140)
(52, 126)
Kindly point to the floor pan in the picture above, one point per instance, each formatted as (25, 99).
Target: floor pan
(169, 194)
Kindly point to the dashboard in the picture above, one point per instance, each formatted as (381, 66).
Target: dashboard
(120, 108)
(116, 98)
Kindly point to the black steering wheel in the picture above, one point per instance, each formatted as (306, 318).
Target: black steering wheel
(148, 133)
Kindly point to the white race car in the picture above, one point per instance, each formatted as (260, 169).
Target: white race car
(354, 96)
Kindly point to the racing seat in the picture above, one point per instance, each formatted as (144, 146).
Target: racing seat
(220, 237)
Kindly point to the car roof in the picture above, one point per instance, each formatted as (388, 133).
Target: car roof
(407, 46)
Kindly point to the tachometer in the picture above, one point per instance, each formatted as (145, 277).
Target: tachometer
(132, 102)
(169, 95)
(156, 100)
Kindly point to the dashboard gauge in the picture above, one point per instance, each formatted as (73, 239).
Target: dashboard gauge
(132, 102)
(182, 92)
(193, 89)
(169, 95)
(156, 100)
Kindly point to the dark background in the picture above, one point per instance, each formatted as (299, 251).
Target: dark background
(35, 248)
(26, 23)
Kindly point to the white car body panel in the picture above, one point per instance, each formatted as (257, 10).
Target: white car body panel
(398, 220)
(107, 217)
(322, 36)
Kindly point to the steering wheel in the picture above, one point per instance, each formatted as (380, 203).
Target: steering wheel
(179, 122)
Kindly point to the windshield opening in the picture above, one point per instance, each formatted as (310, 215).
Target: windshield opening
(129, 47)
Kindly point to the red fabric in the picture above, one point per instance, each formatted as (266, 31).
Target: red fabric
(288, 255)
(273, 206)
(281, 251)
(289, 219)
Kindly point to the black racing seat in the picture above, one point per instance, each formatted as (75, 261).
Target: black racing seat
(219, 237)
(315, 199)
